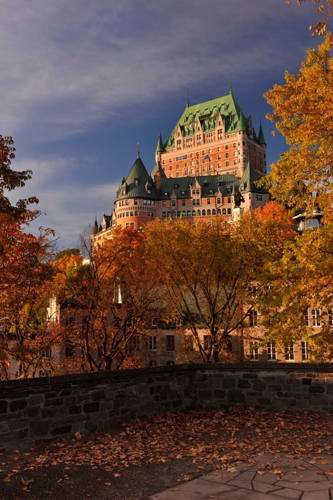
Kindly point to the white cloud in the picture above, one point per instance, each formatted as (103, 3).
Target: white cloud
(68, 208)
(67, 65)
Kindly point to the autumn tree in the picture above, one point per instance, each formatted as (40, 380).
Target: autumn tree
(215, 273)
(107, 303)
(24, 275)
(324, 9)
(11, 179)
(302, 110)
(302, 113)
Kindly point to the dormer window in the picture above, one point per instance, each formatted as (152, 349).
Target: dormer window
(136, 180)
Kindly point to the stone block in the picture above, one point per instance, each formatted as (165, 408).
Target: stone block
(91, 407)
(316, 389)
(235, 396)
(258, 385)
(3, 406)
(74, 410)
(65, 429)
(205, 395)
(229, 382)
(33, 411)
(243, 384)
(35, 399)
(18, 404)
(97, 395)
(39, 428)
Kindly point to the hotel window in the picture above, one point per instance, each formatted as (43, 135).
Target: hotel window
(315, 317)
(271, 351)
(153, 343)
(289, 351)
(254, 351)
(305, 351)
(306, 318)
(170, 342)
(253, 317)
(330, 317)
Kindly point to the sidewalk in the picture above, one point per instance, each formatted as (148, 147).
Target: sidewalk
(290, 479)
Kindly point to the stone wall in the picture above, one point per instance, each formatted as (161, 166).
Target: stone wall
(40, 409)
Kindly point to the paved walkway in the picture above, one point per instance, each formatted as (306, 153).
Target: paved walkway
(289, 478)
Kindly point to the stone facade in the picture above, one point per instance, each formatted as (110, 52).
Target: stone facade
(41, 409)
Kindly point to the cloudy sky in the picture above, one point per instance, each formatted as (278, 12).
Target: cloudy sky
(82, 82)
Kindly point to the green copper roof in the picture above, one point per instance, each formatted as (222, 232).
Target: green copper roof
(206, 112)
(138, 183)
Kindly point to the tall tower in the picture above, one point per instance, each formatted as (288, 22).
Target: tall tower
(212, 138)
(135, 199)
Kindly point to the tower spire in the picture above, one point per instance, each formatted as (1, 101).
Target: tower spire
(261, 137)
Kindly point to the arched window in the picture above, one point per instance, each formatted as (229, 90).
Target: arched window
(189, 213)
(229, 210)
(193, 213)
(219, 211)
(213, 211)
(203, 212)
(224, 211)
(209, 212)
(199, 213)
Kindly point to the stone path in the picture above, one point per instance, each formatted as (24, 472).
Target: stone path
(296, 479)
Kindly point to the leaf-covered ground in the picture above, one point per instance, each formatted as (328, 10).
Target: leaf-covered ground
(152, 454)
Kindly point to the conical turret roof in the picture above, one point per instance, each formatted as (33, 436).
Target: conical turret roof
(261, 137)
(159, 145)
(138, 183)
(95, 227)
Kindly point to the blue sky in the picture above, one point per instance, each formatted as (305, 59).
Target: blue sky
(81, 83)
